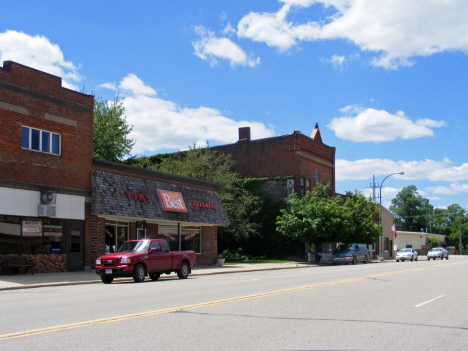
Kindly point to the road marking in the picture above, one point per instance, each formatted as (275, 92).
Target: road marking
(205, 304)
(421, 304)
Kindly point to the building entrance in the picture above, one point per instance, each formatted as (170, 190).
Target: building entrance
(116, 234)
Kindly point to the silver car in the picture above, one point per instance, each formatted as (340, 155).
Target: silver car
(437, 252)
(406, 254)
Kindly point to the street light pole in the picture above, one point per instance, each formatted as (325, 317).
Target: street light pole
(381, 212)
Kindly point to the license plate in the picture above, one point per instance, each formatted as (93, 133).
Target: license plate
(108, 271)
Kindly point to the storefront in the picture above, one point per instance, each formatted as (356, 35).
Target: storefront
(53, 242)
(134, 203)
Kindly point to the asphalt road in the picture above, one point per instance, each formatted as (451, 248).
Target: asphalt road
(387, 306)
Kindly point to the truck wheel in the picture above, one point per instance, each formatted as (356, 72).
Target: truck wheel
(154, 276)
(139, 273)
(106, 279)
(183, 271)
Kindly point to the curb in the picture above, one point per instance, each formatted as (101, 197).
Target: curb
(45, 285)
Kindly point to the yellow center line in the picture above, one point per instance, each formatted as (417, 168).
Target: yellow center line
(204, 304)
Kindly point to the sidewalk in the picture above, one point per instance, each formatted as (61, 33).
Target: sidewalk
(38, 280)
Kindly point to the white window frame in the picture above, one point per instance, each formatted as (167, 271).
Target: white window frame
(51, 134)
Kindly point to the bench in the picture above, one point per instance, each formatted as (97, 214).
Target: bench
(14, 263)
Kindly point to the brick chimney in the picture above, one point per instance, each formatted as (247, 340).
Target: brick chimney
(244, 133)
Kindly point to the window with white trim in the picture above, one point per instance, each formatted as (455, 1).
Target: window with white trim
(40, 140)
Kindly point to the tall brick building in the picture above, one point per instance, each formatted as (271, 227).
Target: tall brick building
(60, 207)
(305, 160)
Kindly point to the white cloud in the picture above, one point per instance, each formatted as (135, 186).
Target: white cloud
(338, 61)
(452, 189)
(132, 83)
(211, 48)
(229, 29)
(39, 53)
(395, 31)
(379, 125)
(414, 170)
(161, 124)
(110, 86)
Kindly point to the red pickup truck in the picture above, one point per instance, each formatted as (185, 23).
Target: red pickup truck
(138, 258)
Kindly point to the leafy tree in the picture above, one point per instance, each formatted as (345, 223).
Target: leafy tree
(434, 242)
(443, 219)
(239, 204)
(454, 237)
(365, 216)
(411, 210)
(111, 130)
(319, 218)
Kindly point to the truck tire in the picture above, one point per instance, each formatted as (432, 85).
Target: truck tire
(183, 271)
(154, 276)
(106, 279)
(139, 273)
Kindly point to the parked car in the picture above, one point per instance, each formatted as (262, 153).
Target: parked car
(138, 258)
(437, 252)
(350, 253)
(406, 254)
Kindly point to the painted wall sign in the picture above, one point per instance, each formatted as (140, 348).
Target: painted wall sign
(203, 205)
(172, 201)
(137, 196)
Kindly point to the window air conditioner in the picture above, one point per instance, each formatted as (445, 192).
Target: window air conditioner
(47, 211)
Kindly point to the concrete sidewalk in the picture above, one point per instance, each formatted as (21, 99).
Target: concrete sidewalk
(38, 280)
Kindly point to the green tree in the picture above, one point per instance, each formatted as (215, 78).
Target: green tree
(239, 204)
(454, 237)
(315, 218)
(319, 218)
(411, 210)
(443, 219)
(110, 138)
(365, 216)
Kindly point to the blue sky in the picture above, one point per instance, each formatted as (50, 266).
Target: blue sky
(387, 81)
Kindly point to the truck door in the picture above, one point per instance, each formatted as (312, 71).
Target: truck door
(155, 258)
(167, 262)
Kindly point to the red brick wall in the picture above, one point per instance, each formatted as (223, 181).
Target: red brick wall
(290, 155)
(209, 246)
(73, 168)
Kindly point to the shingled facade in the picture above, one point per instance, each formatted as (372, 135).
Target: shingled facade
(123, 194)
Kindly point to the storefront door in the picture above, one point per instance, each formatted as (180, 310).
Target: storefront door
(75, 249)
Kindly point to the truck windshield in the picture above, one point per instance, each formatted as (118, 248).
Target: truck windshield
(134, 246)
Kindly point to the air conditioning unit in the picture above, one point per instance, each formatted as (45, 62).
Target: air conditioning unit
(47, 211)
(48, 197)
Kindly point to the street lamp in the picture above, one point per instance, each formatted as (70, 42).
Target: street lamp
(381, 212)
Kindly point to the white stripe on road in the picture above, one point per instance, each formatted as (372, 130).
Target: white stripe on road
(421, 304)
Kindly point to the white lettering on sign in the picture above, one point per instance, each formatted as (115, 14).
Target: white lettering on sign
(173, 203)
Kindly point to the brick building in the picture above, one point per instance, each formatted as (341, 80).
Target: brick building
(306, 161)
(57, 203)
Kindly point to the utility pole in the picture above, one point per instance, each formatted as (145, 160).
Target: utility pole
(459, 228)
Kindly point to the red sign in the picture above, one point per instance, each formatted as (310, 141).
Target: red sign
(137, 196)
(172, 201)
(203, 205)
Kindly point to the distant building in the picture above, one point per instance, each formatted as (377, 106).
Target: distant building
(305, 161)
